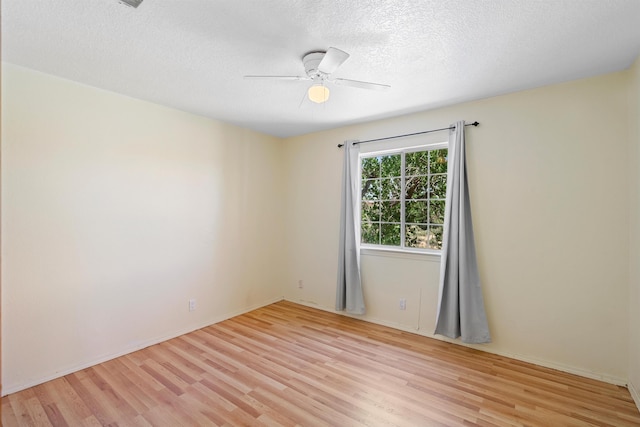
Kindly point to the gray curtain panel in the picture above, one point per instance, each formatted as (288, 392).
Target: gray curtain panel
(461, 306)
(349, 290)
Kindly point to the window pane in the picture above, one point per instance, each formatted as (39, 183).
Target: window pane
(417, 163)
(390, 234)
(390, 189)
(390, 211)
(370, 233)
(416, 236)
(370, 168)
(438, 161)
(416, 187)
(438, 186)
(371, 189)
(423, 195)
(415, 211)
(435, 237)
(390, 165)
(436, 212)
(370, 211)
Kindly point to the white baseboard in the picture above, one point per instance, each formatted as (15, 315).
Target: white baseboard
(544, 363)
(547, 364)
(635, 393)
(13, 388)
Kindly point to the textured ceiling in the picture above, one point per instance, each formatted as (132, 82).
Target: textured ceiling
(192, 54)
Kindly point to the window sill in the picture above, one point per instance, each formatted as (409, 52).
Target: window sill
(401, 253)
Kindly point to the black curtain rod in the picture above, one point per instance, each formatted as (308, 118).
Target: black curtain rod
(408, 134)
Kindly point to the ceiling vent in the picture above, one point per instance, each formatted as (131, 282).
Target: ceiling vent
(131, 3)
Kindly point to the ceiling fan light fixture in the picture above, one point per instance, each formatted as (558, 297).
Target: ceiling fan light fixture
(318, 93)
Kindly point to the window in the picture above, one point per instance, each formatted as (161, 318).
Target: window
(402, 198)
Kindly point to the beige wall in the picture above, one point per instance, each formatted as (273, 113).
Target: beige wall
(634, 253)
(551, 212)
(115, 213)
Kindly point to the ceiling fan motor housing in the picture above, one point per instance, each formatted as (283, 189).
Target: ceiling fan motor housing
(311, 61)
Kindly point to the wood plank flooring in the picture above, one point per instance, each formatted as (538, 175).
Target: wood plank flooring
(286, 365)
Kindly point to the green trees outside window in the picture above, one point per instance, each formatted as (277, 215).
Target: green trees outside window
(403, 196)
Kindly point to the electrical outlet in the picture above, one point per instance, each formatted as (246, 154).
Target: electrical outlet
(192, 305)
(403, 303)
(300, 284)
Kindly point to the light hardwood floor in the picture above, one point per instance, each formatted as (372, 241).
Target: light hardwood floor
(287, 364)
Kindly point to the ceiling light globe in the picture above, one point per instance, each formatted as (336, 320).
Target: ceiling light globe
(318, 93)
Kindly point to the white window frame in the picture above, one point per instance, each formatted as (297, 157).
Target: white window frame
(367, 247)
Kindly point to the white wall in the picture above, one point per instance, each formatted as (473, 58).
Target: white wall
(634, 253)
(549, 188)
(115, 213)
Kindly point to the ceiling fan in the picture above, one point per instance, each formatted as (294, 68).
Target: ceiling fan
(319, 66)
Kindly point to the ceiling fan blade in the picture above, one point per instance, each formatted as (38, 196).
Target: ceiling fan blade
(361, 85)
(332, 60)
(276, 78)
